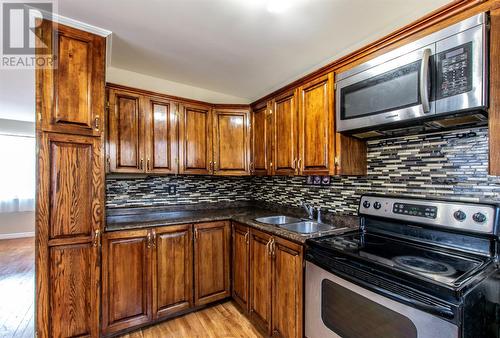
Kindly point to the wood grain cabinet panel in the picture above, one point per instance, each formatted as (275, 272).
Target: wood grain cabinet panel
(195, 137)
(231, 142)
(126, 274)
(172, 270)
(211, 261)
(73, 92)
(287, 318)
(161, 137)
(74, 291)
(70, 198)
(285, 132)
(241, 264)
(126, 119)
(260, 279)
(261, 141)
(316, 127)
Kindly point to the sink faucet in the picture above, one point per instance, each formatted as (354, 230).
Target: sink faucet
(318, 213)
(309, 209)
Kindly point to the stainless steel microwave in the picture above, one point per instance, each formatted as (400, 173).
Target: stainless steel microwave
(443, 73)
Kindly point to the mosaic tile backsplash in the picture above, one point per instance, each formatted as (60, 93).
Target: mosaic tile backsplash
(450, 164)
(156, 190)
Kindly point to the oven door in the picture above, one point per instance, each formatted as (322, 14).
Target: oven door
(393, 91)
(338, 308)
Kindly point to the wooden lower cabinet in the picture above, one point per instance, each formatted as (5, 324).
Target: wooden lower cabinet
(172, 270)
(152, 274)
(276, 285)
(287, 318)
(211, 262)
(126, 278)
(260, 279)
(241, 264)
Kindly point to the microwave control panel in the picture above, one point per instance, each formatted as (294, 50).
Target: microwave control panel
(454, 71)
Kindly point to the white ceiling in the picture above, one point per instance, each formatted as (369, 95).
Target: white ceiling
(235, 47)
(240, 47)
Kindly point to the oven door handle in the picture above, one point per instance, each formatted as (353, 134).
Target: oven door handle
(424, 80)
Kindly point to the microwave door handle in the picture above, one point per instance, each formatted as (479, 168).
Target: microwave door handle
(424, 80)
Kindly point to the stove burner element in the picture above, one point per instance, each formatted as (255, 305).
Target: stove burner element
(424, 265)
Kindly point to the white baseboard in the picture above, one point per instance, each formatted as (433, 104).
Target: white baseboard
(17, 235)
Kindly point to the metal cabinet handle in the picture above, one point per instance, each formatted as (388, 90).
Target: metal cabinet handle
(141, 164)
(424, 77)
(215, 166)
(154, 239)
(210, 167)
(268, 247)
(148, 167)
(299, 167)
(195, 234)
(246, 237)
(97, 235)
(149, 240)
(96, 122)
(294, 163)
(273, 248)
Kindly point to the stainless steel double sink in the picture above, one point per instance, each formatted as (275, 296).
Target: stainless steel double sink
(295, 224)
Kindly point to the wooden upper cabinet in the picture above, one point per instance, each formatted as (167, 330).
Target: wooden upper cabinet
(316, 127)
(126, 274)
(161, 136)
(172, 270)
(351, 155)
(260, 279)
(211, 262)
(195, 140)
(285, 132)
(241, 264)
(125, 128)
(72, 94)
(261, 141)
(231, 142)
(287, 302)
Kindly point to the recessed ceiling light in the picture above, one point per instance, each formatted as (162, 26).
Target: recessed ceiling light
(278, 6)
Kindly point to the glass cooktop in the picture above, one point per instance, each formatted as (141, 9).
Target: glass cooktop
(440, 266)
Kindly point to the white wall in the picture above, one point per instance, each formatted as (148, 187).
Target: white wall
(146, 82)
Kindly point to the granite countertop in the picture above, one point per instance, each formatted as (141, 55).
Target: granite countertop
(137, 218)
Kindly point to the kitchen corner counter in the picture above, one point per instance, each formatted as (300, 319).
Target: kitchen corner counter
(137, 218)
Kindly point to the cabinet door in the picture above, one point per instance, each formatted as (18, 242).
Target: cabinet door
(260, 279)
(241, 264)
(195, 137)
(70, 199)
(172, 270)
(126, 274)
(161, 137)
(261, 137)
(211, 262)
(316, 127)
(72, 94)
(287, 289)
(350, 156)
(285, 134)
(231, 142)
(126, 122)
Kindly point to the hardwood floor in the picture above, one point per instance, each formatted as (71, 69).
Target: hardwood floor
(17, 289)
(221, 320)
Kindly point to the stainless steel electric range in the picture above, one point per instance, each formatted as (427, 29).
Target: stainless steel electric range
(414, 268)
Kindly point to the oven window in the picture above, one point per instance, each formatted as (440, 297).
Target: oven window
(393, 90)
(351, 315)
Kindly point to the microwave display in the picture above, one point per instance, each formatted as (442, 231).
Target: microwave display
(454, 71)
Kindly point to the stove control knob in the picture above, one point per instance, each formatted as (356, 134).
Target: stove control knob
(459, 215)
(479, 217)
(377, 205)
(366, 204)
